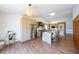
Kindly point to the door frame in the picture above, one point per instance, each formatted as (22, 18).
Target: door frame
(64, 23)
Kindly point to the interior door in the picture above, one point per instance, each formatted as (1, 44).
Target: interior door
(62, 28)
(76, 32)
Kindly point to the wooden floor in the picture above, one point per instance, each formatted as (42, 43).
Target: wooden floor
(36, 46)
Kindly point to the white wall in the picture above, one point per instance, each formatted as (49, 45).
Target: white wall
(69, 24)
(76, 11)
(9, 22)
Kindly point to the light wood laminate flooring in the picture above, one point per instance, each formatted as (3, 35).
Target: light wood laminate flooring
(37, 46)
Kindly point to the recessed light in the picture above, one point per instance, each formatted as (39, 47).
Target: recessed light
(52, 14)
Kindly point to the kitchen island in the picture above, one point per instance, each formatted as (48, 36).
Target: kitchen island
(50, 36)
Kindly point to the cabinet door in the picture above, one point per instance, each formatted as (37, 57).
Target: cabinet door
(25, 29)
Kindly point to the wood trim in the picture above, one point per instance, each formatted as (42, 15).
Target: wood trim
(76, 17)
(65, 30)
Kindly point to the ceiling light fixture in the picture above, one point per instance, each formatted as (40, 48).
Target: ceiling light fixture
(52, 14)
(29, 10)
(29, 4)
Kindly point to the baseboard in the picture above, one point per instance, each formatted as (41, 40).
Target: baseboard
(24, 40)
(12, 43)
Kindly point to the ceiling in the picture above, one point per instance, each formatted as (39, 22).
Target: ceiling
(41, 10)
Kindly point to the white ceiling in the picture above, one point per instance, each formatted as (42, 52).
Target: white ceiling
(41, 10)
